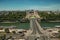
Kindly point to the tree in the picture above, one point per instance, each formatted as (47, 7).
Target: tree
(7, 30)
(13, 32)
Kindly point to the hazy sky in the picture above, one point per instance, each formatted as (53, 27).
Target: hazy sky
(29, 4)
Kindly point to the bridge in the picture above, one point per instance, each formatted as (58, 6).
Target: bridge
(37, 31)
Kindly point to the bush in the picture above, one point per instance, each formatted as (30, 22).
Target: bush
(7, 30)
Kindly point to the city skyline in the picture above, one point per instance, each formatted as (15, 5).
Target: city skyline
(29, 4)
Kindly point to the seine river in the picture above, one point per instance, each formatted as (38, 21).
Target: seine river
(26, 25)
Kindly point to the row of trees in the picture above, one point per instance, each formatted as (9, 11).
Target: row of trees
(49, 16)
(14, 16)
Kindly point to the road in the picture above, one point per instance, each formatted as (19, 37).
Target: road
(37, 30)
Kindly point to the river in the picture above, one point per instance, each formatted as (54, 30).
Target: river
(26, 25)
